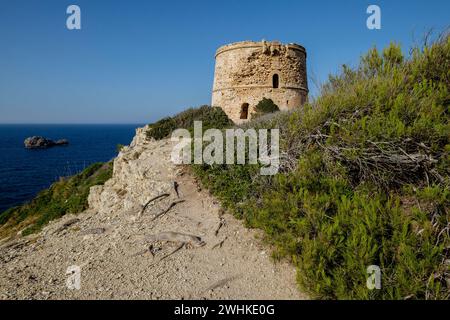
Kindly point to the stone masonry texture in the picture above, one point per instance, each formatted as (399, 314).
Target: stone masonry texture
(248, 71)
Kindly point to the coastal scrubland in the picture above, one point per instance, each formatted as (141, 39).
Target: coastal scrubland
(68, 195)
(364, 180)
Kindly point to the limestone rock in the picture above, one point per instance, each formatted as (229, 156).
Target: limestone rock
(38, 142)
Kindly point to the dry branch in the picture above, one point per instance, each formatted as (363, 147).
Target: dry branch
(221, 283)
(67, 224)
(164, 195)
(219, 244)
(176, 237)
(175, 187)
(172, 252)
(167, 210)
(221, 223)
(92, 231)
(383, 162)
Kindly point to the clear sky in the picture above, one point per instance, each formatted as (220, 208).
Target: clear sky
(136, 61)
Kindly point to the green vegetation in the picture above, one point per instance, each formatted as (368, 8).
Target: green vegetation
(212, 117)
(265, 106)
(364, 180)
(68, 195)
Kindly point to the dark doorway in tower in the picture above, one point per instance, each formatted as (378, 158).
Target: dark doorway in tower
(244, 111)
(275, 81)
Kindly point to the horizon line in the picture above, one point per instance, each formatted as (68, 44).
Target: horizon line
(71, 123)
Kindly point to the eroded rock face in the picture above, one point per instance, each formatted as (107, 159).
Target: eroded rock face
(137, 177)
(38, 142)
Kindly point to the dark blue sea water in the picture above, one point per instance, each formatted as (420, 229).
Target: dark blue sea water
(23, 173)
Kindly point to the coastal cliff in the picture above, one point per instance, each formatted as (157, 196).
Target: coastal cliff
(111, 242)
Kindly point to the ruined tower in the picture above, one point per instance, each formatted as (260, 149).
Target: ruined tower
(246, 72)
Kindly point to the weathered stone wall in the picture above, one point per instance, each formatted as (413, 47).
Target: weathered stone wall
(244, 75)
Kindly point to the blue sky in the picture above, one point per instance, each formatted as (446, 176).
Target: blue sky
(136, 61)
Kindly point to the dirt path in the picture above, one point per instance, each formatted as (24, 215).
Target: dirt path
(115, 243)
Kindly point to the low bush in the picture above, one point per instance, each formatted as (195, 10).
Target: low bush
(265, 106)
(212, 117)
(68, 195)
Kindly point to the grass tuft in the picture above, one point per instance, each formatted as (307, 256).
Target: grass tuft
(68, 195)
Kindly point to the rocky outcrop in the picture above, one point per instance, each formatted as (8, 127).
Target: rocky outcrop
(38, 142)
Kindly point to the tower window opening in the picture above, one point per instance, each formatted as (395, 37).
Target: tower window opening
(275, 81)
(244, 111)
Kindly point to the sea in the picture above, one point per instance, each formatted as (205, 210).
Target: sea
(24, 172)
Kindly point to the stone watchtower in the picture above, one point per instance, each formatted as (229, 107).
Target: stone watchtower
(246, 72)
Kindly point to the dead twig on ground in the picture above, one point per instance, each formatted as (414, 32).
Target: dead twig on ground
(175, 237)
(140, 253)
(175, 187)
(170, 236)
(164, 195)
(221, 223)
(167, 210)
(219, 244)
(172, 252)
(221, 283)
(93, 231)
(67, 224)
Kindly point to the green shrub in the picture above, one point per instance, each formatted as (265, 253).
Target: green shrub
(364, 180)
(119, 147)
(68, 195)
(265, 106)
(212, 117)
(161, 129)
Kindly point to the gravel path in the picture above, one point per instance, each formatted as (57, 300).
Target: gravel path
(126, 249)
